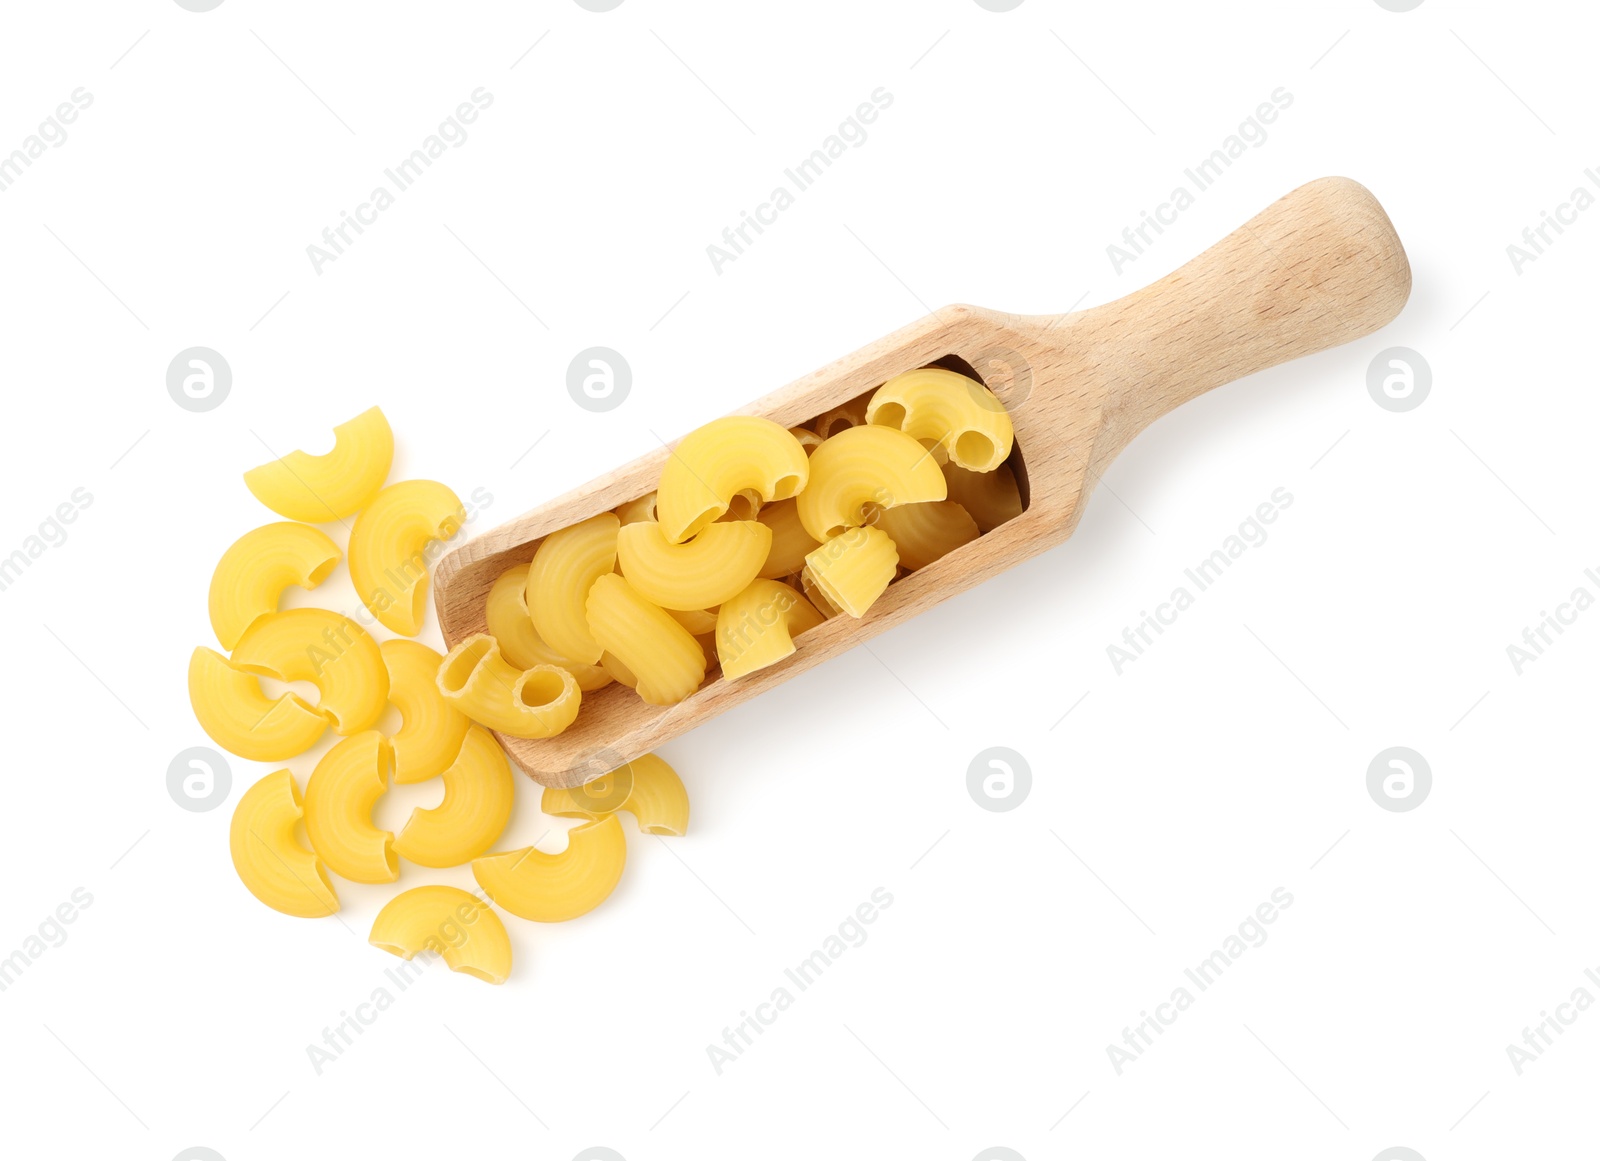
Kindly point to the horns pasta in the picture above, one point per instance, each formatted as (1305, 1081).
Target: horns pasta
(431, 729)
(756, 628)
(956, 417)
(318, 489)
(702, 572)
(854, 567)
(478, 792)
(716, 462)
(389, 549)
(327, 649)
(236, 715)
(552, 888)
(271, 862)
(646, 788)
(566, 564)
(252, 574)
(661, 654)
(340, 795)
(861, 466)
(461, 928)
(525, 703)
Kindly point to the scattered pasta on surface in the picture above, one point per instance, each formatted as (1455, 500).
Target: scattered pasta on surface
(755, 536)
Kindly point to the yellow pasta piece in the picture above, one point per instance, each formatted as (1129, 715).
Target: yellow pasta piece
(340, 795)
(703, 571)
(236, 715)
(846, 415)
(854, 567)
(594, 799)
(990, 498)
(698, 621)
(716, 462)
(757, 628)
(478, 791)
(862, 466)
(461, 928)
(255, 570)
(957, 418)
(644, 508)
(552, 888)
(809, 440)
(270, 860)
(667, 661)
(922, 533)
(658, 801)
(330, 651)
(566, 564)
(392, 544)
(318, 489)
(511, 624)
(431, 729)
(790, 540)
(538, 702)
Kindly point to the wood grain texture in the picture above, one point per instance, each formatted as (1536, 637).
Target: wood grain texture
(1320, 267)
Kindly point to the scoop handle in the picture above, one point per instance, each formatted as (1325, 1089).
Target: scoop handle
(1319, 267)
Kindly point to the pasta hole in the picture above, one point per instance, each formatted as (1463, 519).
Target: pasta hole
(744, 505)
(786, 487)
(973, 448)
(540, 687)
(889, 415)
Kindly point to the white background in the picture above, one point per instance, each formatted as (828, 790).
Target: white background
(1228, 761)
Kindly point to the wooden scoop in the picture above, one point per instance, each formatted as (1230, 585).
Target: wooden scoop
(1320, 267)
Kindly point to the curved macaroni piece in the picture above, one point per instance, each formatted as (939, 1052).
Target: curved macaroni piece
(236, 715)
(478, 791)
(854, 567)
(389, 549)
(922, 533)
(809, 440)
(756, 628)
(644, 508)
(431, 729)
(551, 888)
(647, 788)
(567, 563)
(846, 415)
(319, 489)
(506, 612)
(703, 571)
(990, 498)
(957, 418)
(526, 703)
(658, 802)
(698, 621)
(340, 795)
(716, 462)
(861, 466)
(664, 656)
(790, 540)
(460, 927)
(270, 860)
(255, 570)
(596, 798)
(327, 649)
